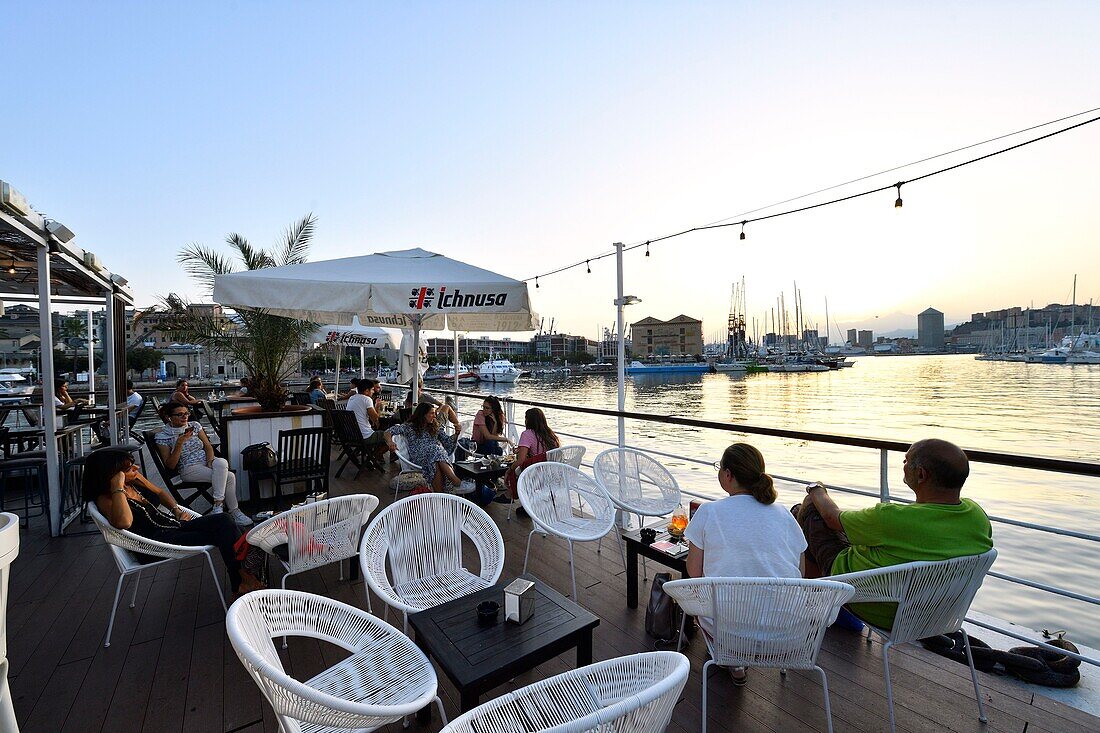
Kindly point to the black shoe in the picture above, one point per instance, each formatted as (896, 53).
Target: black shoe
(502, 499)
(521, 512)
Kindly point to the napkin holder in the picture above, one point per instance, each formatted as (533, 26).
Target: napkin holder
(519, 600)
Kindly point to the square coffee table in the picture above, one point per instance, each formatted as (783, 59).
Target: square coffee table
(634, 546)
(477, 658)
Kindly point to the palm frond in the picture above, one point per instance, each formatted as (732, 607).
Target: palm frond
(254, 258)
(202, 263)
(295, 247)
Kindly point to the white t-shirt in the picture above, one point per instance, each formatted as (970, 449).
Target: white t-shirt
(134, 402)
(359, 404)
(742, 538)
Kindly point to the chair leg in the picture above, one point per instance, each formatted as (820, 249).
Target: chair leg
(442, 712)
(683, 624)
(706, 668)
(528, 553)
(889, 687)
(974, 677)
(137, 580)
(282, 585)
(217, 583)
(825, 691)
(572, 570)
(111, 623)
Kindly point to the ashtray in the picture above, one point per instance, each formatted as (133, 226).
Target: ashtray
(648, 535)
(487, 612)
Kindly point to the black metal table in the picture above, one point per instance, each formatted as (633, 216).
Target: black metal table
(635, 547)
(477, 658)
(479, 474)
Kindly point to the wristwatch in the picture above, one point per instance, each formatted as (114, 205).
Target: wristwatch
(810, 487)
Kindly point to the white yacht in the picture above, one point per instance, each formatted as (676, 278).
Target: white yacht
(497, 371)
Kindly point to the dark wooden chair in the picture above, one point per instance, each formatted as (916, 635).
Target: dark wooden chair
(211, 416)
(304, 457)
(134, 418)
(172, 480)
(352, 447)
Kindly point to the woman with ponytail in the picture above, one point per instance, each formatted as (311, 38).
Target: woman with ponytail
(745, 534)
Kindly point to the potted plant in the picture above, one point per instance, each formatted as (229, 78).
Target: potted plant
(267, 345)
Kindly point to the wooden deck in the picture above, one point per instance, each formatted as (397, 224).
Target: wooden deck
(170, 666)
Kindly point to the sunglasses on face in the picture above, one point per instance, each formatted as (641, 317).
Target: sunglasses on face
(181, 414)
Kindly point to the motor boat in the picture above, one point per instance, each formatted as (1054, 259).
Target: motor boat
(497, 371)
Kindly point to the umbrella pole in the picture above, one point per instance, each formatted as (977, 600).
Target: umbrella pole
(416, 362)
(339, 350)
(456, 364)
(362, 363)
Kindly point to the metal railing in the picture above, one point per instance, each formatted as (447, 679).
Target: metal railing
(884, 447)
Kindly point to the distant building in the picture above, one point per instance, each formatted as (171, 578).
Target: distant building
(930, 332)
(866, 339)
(679, 335)
(852, 338)
(443, 348)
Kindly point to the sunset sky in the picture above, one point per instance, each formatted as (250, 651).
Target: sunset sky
(525, 136)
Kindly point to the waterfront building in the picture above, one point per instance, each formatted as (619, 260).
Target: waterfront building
(853, 339)
(866, 339)
(443, 349)
(563, 345)
(680, 335)
(930, 331)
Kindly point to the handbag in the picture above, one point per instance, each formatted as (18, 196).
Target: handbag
(258, 457)
(663, 615)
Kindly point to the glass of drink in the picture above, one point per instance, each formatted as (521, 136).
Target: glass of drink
(678, 523)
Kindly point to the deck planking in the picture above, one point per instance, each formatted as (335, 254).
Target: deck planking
(171, 668)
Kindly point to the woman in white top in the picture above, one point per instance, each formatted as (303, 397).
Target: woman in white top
(746, 534)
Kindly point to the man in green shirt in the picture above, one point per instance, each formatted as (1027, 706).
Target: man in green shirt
(938, 526)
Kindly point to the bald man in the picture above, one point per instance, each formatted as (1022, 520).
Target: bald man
(939, 525)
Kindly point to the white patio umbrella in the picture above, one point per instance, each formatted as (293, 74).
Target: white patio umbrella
(407, 289)
(354, 334)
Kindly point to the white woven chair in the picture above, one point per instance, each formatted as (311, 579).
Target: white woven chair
(638, 484)
(408, 468)
(9, 550)
(125, 546)
(411, 554)
(570, 454)
(763, 622)
(636, 693)
(385, 679)
(932, 598)
(565, 502)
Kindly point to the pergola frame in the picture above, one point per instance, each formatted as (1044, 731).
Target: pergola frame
(74, 277)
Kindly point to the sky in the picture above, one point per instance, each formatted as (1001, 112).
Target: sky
(521, 137)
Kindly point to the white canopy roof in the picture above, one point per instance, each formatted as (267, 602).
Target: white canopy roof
(399, 289)
(356, 334)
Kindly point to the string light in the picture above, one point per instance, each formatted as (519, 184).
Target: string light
(588, 266)
(11, 268)
(841, 199)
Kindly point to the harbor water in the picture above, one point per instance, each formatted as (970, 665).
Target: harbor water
(1035, 409)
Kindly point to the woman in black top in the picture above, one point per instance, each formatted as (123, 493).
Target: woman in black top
(130, 501)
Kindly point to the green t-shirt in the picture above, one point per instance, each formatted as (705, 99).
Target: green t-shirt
(891, 534)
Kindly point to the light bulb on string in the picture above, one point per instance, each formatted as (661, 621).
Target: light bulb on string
(647, 249)
(536, 283)
(743, 229)
(897, 203)
(588, 267)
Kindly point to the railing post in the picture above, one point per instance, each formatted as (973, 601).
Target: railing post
(884, 475)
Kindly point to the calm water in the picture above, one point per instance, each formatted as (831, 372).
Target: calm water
(1036, 409)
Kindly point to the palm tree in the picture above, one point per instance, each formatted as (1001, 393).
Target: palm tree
(262, 342)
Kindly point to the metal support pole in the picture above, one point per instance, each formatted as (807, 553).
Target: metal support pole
(621, 371)
(416, 361)
(49, 412)
(91, 359)
(362, 363)
(884, 475)
(456, 359)
(112, 367)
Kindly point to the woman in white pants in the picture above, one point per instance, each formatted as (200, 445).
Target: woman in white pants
(184, 447)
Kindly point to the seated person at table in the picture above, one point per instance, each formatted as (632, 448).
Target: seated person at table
(184, 447)
(352, 390)
(246, 387)
(134, 401)
(129, 501)
(427, 447)
(940, 525)
(61, 399)
(182, 395)
(533, 444)
(489, 427)
(362, 406)
(376, 395)
(316, 391)
(745, 534)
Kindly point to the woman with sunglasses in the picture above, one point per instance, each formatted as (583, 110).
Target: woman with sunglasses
(184, 447)
(130, 501)
(745, 534)
(428, 447)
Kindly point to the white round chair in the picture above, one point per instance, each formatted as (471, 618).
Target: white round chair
(763, 622)
(635, 694)
(567, 503)
(385, 678)
(638, 484)
(9, 550)
(127, 546)
(571, 454)
(411, 554)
